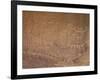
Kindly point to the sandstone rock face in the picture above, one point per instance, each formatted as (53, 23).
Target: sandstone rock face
(53, 39)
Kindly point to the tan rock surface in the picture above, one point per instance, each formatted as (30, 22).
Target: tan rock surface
(55, 39)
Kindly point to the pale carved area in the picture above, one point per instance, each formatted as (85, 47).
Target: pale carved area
(55, 39)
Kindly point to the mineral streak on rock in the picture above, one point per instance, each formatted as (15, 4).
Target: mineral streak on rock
(53, 39)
